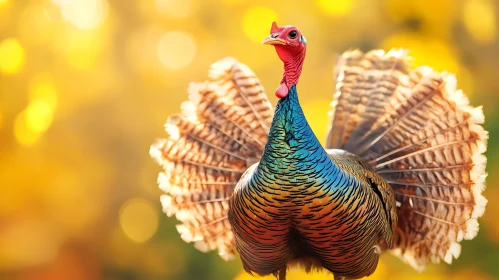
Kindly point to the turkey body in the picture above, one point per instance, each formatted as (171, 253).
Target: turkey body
(403, 169)
(310, 206)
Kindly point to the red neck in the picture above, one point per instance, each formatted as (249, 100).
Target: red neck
(292, 70)
(293, 63)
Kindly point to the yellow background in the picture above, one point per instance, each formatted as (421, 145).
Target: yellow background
(86, 85)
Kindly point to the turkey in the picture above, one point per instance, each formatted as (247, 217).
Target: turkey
(403, 170)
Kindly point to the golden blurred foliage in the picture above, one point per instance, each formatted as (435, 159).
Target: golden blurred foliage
(174, 9)
(480, 20)
(176, 49)
(255, 22)
(336, 8)
(11, 56)
(139, 219)
(86, 85)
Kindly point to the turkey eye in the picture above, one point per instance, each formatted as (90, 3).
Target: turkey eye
(292, 34)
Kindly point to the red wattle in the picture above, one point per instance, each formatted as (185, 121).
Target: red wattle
(282, 91)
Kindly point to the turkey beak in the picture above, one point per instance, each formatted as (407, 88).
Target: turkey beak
(273, 39)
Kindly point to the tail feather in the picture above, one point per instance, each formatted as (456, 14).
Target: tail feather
(422, 136)
(220, 133)
(218, 110)
(242, 86)
(354, 110)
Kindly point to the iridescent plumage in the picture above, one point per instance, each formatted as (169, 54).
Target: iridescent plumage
(302, 204)
(403, 169)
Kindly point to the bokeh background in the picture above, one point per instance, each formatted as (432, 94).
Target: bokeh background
(86, 85)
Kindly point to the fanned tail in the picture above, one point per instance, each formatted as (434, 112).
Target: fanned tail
(222, 130)
(422, 136)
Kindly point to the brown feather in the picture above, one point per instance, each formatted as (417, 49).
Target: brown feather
(222, 131)
(422, 137)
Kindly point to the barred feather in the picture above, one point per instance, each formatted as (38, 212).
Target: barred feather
(420, 134)
(221, 131)
(404, 170)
